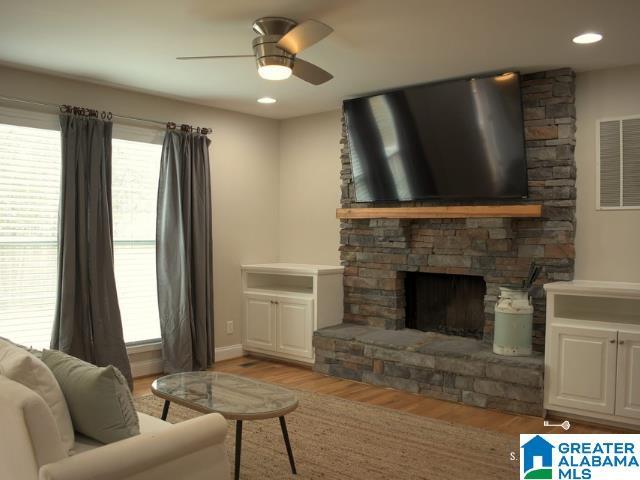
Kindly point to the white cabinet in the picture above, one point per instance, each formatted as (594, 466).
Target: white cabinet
(283, 304)
(584, 375)
(592, 352)
(259, 322)
(294, 326)
(628, 387)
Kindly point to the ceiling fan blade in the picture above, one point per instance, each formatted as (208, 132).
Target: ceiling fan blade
(215, 56)
(310, 72)
(303, 36)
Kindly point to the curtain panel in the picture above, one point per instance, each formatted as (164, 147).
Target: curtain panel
(184, 255)
(87, 320)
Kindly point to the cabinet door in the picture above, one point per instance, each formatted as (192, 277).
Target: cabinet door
(294, 326)
(582, 368)
(259, 322)
(628, 389)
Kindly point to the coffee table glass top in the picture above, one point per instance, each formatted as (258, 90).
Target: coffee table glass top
(235, 397)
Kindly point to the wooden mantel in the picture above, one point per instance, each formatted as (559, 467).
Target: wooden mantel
(452, 211)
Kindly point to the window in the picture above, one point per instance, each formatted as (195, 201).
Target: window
(29, 195)
(135, 172)
(29, 192)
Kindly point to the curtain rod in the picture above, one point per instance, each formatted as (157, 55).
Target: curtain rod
(64, 108)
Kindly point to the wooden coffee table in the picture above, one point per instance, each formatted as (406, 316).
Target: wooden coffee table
(234, 397)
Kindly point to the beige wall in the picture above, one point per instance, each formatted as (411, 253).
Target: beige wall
(310, 188)
(276, 184)
(244, 155)
(607, 242)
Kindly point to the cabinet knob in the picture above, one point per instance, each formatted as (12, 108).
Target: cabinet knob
(612, 341)
(621, 342)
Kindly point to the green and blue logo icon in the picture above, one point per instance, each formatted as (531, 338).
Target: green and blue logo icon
(537, 459)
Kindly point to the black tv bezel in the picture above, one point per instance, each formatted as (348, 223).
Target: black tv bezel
(455, 198)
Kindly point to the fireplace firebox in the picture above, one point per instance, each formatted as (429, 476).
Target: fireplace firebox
(444, 303)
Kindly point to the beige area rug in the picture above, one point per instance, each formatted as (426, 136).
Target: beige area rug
(340, 439)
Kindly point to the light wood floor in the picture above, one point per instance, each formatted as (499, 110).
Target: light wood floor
(303, 378)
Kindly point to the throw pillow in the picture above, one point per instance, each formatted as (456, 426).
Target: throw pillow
(21, 366)
(99, 399)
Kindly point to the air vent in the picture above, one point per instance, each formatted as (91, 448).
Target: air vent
(618, 166)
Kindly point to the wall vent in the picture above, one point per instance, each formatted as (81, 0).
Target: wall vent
(618, 163)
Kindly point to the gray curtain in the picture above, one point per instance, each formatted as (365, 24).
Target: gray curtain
(87, 320)
(184, 255)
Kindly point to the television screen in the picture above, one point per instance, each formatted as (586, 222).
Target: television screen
(461, 139)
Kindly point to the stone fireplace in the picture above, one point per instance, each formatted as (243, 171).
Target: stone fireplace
(440, 345)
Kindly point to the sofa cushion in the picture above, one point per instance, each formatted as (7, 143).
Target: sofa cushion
(99, 400)
(21, 366)
(148, 424)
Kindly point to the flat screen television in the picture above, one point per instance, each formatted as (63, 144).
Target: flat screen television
(460, 139)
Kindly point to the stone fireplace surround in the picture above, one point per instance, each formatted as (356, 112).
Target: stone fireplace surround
(372, 344)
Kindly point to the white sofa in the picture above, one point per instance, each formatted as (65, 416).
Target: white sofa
(29, 450)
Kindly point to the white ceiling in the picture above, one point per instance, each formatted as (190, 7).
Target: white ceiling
(377, 44)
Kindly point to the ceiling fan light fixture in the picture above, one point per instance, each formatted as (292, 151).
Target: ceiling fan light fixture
(274, 72)
(277, 45)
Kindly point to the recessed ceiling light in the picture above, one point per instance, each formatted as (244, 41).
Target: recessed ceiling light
(586, 38)
(266, 100)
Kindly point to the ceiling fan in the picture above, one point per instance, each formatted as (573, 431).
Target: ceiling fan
(276, 48)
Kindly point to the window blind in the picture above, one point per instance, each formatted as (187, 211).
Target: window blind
(29, 193)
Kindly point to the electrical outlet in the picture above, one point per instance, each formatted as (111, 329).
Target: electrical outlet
(229, 327)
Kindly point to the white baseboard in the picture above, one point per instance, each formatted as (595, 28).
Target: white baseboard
(227, 353)
(152, 366)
